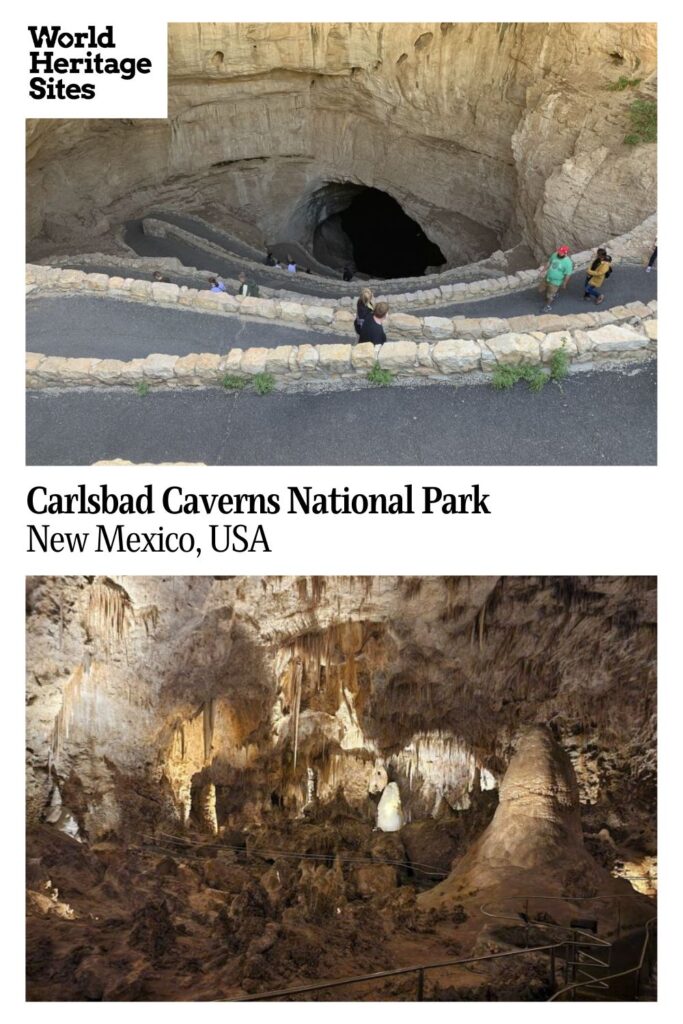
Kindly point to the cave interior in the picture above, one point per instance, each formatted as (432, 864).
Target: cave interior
(237, 785)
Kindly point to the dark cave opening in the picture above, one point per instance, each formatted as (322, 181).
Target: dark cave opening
(374, 235)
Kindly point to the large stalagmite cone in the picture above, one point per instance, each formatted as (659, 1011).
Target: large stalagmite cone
(389, 812)
(535, 835)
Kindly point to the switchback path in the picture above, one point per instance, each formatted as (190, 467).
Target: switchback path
(83, 325)
(598, 418)
(628, 283)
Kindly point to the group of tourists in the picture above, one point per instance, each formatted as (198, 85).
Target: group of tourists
(559, 268)
(289, 264)
(370, 318)
(371, 315)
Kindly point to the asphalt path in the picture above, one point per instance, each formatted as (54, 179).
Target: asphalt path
(82, 325)
(225, 265)
(627, 284)
(99, 328)
(597, 418)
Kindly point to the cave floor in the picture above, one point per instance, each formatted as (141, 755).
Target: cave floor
(146, 923)
(207, 920)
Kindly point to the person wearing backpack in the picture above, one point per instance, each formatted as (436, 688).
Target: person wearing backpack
(598, 272)
(246, 287)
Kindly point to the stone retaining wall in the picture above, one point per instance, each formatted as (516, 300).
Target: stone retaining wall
(295, 366)
(42, 280)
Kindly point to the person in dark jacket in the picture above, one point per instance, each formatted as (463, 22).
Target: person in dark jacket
(364, 307)
(347, 274)
(373, 325)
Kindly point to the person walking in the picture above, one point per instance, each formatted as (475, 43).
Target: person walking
(347, 274)
(364, 307)
(652, 260)
(600, 268)
(373, 325)
(291, 265)
(244, 287)
(556, 273)
(270, 259)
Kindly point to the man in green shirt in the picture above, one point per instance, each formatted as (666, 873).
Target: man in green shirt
(556, 274)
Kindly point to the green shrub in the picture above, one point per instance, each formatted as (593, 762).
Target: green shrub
(643, 114)
(379, 376)
(504, 377)
(534, 376)
(559, 364)
(142, 387)
(232, 383)
(623, 83)
(264, 383)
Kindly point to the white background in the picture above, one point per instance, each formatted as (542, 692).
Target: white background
(545, 520)
(145, 95)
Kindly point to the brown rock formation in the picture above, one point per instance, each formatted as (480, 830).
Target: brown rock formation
(486, 134)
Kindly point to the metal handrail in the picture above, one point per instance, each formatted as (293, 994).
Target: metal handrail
(419, 968)
(562, 899)
(604, 981)
(429, 870)
(588, 939)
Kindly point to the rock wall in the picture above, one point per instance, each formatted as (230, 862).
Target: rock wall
(485, 134)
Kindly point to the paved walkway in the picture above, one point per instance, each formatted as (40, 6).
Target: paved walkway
(627, 284)
(83, 325)
(601, 418)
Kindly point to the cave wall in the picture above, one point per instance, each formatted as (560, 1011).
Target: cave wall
(143, 690)
(485, 134)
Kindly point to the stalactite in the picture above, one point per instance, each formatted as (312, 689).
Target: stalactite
(298, 676)
(208, 713)
(62, 723)
(109, 612)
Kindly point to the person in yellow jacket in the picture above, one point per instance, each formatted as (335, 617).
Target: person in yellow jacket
(595, 276)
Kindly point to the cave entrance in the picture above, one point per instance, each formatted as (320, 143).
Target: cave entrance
(368, 230)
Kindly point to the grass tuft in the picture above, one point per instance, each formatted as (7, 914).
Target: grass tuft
(264, 383)
(643, 114)
(142, 388)
(559, 364)
(232, 383)
(623, 83)
(379, 376)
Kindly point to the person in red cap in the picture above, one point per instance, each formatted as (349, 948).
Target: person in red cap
(556, 273)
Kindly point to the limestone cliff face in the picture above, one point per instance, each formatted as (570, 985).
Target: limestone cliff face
(287, 691)
(486, 134)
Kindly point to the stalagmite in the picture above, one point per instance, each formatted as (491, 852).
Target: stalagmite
(378, 779)
(207, 808)
(60, 816)
(389, 812)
